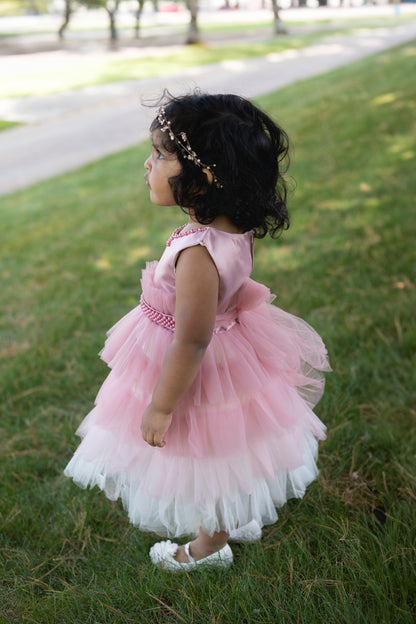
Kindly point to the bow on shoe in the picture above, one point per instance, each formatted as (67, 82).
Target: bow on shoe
(163, 552)
(163, 555)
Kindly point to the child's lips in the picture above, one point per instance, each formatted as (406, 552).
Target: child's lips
(147, 182)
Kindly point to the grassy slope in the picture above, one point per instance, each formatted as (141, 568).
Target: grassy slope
(71, 249)
(94, 69)
(102, 69)
(6, 125)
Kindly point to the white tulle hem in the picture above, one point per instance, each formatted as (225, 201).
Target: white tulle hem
(177, 516)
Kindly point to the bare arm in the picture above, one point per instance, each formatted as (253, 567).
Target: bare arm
(197, 285)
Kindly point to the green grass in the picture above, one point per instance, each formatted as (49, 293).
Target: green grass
(5, 125)
(88, 70)
(100, 69)
(71, 250)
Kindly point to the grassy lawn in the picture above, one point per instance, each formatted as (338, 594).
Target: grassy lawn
(71, 250)
(80, 70)
(5, 125)
(87, 70)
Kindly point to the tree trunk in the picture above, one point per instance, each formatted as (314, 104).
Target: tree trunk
(278, 26)
(33, 9)
(111, 8)
(193, 32)
(67, 17)
(140, 4)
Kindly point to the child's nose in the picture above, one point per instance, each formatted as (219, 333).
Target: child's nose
(147, 163)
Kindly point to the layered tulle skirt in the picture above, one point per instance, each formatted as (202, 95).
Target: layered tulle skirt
(244, 437)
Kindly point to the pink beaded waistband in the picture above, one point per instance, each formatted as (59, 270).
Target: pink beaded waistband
(168, 320)
(165, 320)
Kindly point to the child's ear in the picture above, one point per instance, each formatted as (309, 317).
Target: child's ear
(209, 175)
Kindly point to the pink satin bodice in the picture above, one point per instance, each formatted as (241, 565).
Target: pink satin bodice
(232, 254)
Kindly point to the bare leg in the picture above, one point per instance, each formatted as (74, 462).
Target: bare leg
(203, 546)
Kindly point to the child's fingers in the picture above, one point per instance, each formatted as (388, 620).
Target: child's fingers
(154, 439)
(154, 426)
(148, 437)
(158, 440)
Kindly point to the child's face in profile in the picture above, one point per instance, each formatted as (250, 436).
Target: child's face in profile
(160, 166)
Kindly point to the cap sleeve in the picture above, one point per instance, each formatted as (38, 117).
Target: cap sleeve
(231, 254)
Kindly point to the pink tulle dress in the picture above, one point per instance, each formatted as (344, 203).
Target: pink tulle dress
(243, 439)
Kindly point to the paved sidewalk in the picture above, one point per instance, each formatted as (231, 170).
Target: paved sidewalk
(71, 129)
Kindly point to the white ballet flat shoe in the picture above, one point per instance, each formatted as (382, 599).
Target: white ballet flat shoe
(250, 532)
(163, 555)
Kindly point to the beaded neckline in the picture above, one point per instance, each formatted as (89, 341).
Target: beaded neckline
(178, 233)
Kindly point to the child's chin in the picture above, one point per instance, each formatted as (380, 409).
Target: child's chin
(159, 202)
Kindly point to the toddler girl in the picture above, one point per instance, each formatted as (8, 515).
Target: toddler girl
(205, 424)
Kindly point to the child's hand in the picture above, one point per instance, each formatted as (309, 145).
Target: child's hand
(154, 426)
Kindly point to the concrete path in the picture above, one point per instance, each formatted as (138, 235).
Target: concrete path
(71, 129)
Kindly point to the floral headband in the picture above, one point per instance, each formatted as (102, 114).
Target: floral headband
(183, 144)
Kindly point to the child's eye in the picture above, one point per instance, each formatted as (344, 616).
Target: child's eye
(159, 155)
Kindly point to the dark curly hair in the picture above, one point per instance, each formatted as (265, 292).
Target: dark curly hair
(250, 153)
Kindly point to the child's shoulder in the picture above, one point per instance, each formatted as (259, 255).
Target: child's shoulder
(188, 236)
(223, 246)
(224, 237)
(220, 243)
